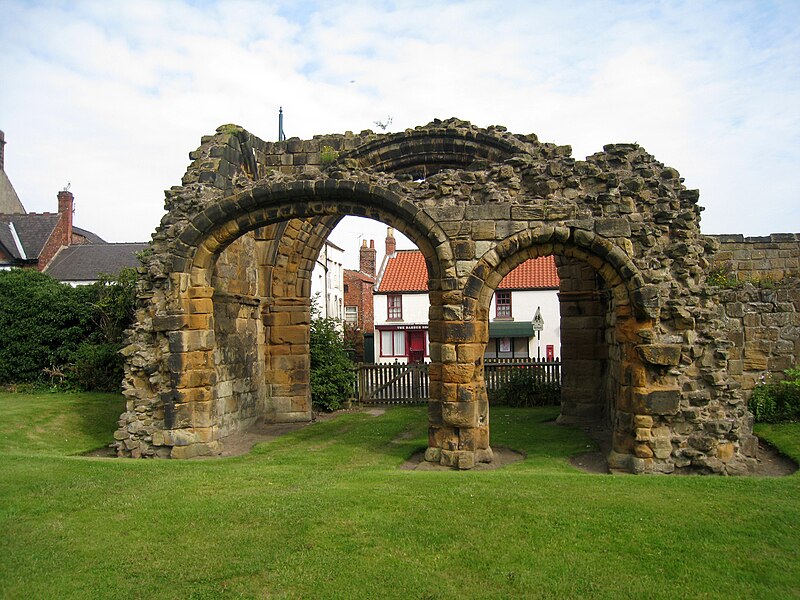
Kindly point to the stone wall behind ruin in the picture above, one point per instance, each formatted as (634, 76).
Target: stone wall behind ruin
(759, 293)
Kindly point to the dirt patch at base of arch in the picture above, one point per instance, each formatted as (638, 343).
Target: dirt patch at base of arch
(502, 457)
(771, 463)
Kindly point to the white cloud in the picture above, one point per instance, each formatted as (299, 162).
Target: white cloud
(113, 96)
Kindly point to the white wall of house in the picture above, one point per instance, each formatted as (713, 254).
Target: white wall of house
(523, 308)
(327, 280)
(414, 317)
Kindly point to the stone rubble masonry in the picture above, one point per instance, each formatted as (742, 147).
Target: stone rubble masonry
(650, 349)
(761, 318)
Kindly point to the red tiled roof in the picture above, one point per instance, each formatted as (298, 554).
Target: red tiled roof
(534, 273)
(406, 272)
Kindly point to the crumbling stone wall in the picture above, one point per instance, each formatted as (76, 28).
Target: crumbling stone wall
(477, 202)
(758, 288)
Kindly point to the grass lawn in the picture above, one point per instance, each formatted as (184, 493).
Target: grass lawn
(325, 513)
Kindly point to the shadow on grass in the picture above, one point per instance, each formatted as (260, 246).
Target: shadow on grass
(353, 439)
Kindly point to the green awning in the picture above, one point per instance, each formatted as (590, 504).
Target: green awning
(510, 329)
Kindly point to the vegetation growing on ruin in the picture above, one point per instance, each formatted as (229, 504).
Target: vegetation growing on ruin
(724, 277)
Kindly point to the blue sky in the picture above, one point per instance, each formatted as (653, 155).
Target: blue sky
(111, 96)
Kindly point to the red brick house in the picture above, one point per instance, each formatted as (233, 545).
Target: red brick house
(358, 303)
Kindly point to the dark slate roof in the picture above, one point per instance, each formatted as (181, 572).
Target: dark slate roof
(86, 262)
(93, 238)
(7, 242)
(33, 229)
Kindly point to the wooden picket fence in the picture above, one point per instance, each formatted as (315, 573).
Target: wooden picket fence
(497, 372)
(392, 384)
(409, 384)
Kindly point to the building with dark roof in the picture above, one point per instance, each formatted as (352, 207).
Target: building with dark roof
(83, 264)
(525, 300)
(50, 242)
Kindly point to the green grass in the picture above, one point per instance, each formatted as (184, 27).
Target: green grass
(325, 513)
(785, 436)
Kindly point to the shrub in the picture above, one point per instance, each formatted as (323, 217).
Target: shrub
(41, 325)
(332, 371)
(57, 335)
(525, 388)
(97, 367)
(777, 402)
(328, 155)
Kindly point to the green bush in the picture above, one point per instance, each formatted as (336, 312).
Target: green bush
(777, 402)
(525, 388)
(332, 371)
(57, 335)
(97, 367)
(41, 325)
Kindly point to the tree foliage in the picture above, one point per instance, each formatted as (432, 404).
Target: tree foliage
(332, 371)
(53, 333)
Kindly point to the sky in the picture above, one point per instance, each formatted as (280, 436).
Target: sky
(110, 96)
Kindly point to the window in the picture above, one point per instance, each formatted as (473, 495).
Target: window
(395, 307)
(502, 304)
(393, 343)
(507, 347)
(346, 288)
(351, 314)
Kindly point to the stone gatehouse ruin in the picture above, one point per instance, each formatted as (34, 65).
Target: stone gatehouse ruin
(650, 347)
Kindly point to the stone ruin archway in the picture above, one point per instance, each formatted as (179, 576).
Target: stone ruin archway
(221, 338)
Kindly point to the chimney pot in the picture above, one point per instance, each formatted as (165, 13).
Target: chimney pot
(391, 243)
(367, 258)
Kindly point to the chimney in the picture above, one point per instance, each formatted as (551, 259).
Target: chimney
(391, 243)
(65, 208)
(2, 151)
(366, 258)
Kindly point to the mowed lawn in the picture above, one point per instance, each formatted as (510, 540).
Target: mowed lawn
(326, 513)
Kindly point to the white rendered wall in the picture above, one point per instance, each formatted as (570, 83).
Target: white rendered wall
(328, 282)
(415, 311)
(523, 308)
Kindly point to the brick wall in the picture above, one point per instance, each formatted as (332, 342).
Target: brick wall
(56, 240)
(359, 293)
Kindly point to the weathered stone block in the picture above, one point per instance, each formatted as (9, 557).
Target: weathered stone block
(460, 414)
(457, 372)
(613, 227)
(657, 402)
(190, 341)
(660, 354)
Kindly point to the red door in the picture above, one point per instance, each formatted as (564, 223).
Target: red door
(416, 346)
